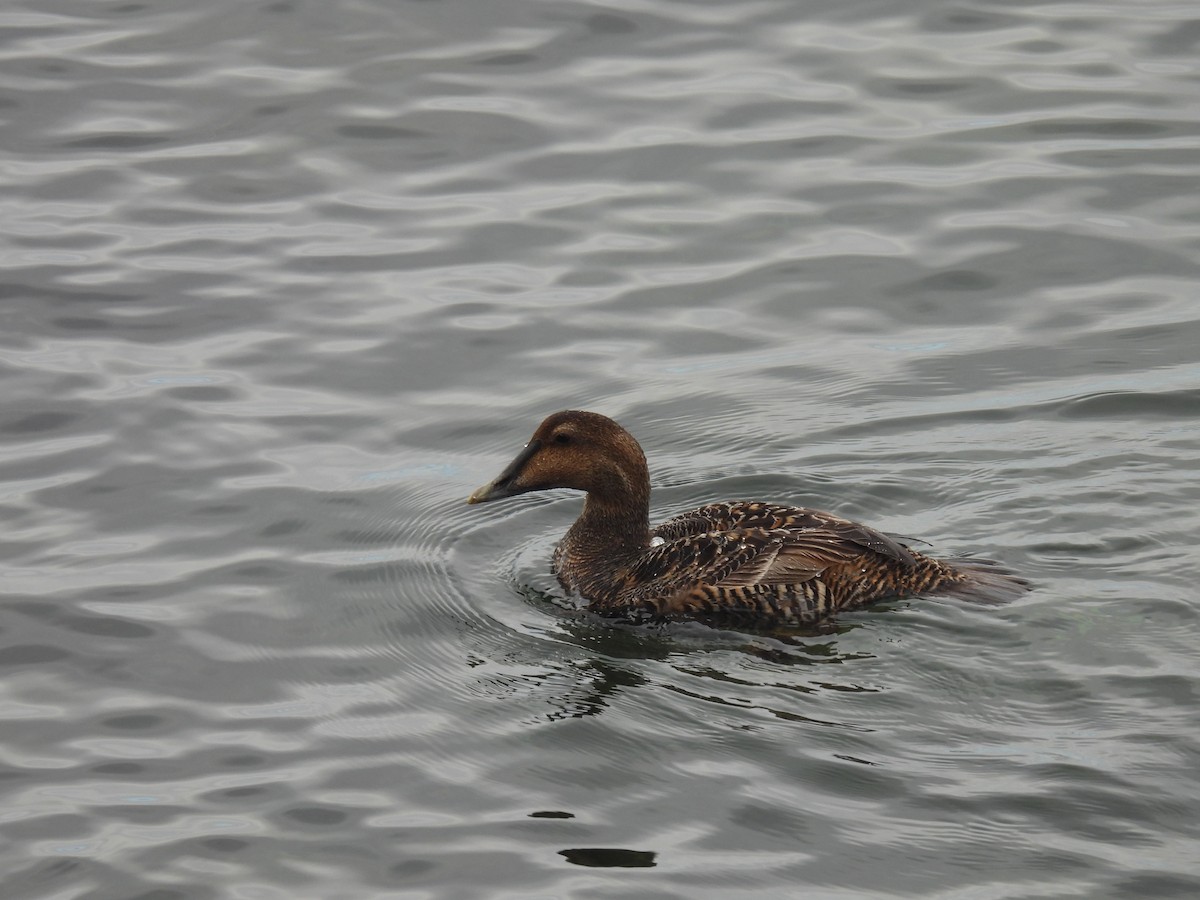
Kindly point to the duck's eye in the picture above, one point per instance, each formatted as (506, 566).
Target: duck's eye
(562, 438)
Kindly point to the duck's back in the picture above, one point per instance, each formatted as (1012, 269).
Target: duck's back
(762, 563)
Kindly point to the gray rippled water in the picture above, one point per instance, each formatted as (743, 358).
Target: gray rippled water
(283, 281)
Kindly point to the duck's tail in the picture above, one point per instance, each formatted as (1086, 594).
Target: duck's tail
(981, 581)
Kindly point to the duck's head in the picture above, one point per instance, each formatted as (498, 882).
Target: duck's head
(573, 449)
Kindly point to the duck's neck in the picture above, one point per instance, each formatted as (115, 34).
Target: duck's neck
(611, 527)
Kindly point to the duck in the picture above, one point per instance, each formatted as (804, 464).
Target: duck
(734, 563)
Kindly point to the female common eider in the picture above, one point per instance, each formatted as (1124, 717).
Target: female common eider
(725, 563)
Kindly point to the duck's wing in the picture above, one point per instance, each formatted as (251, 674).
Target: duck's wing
(745, 558)
(829, 535)
(822, 536)
(799, 556)
(706, 557)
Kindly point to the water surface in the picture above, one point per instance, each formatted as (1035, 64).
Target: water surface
(283, 282)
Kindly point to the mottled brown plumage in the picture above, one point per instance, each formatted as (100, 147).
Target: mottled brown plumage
(732, 563)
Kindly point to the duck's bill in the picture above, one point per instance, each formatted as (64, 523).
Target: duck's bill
(508, 483)
(493, 490)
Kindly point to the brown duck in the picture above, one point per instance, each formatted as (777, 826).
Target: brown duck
(733, 563)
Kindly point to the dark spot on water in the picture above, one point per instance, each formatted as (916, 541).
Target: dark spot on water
(609, 858)
(225, 844)
(270, 109)
(35, 422)
(854, 759)
(30, 654)
(316, 815)
(607, 23)
(283, 6)
(551, 814)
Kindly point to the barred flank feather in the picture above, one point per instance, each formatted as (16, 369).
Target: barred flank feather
(981, 581)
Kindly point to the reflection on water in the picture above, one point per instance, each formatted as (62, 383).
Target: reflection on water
(282, 282)
(606, 857)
